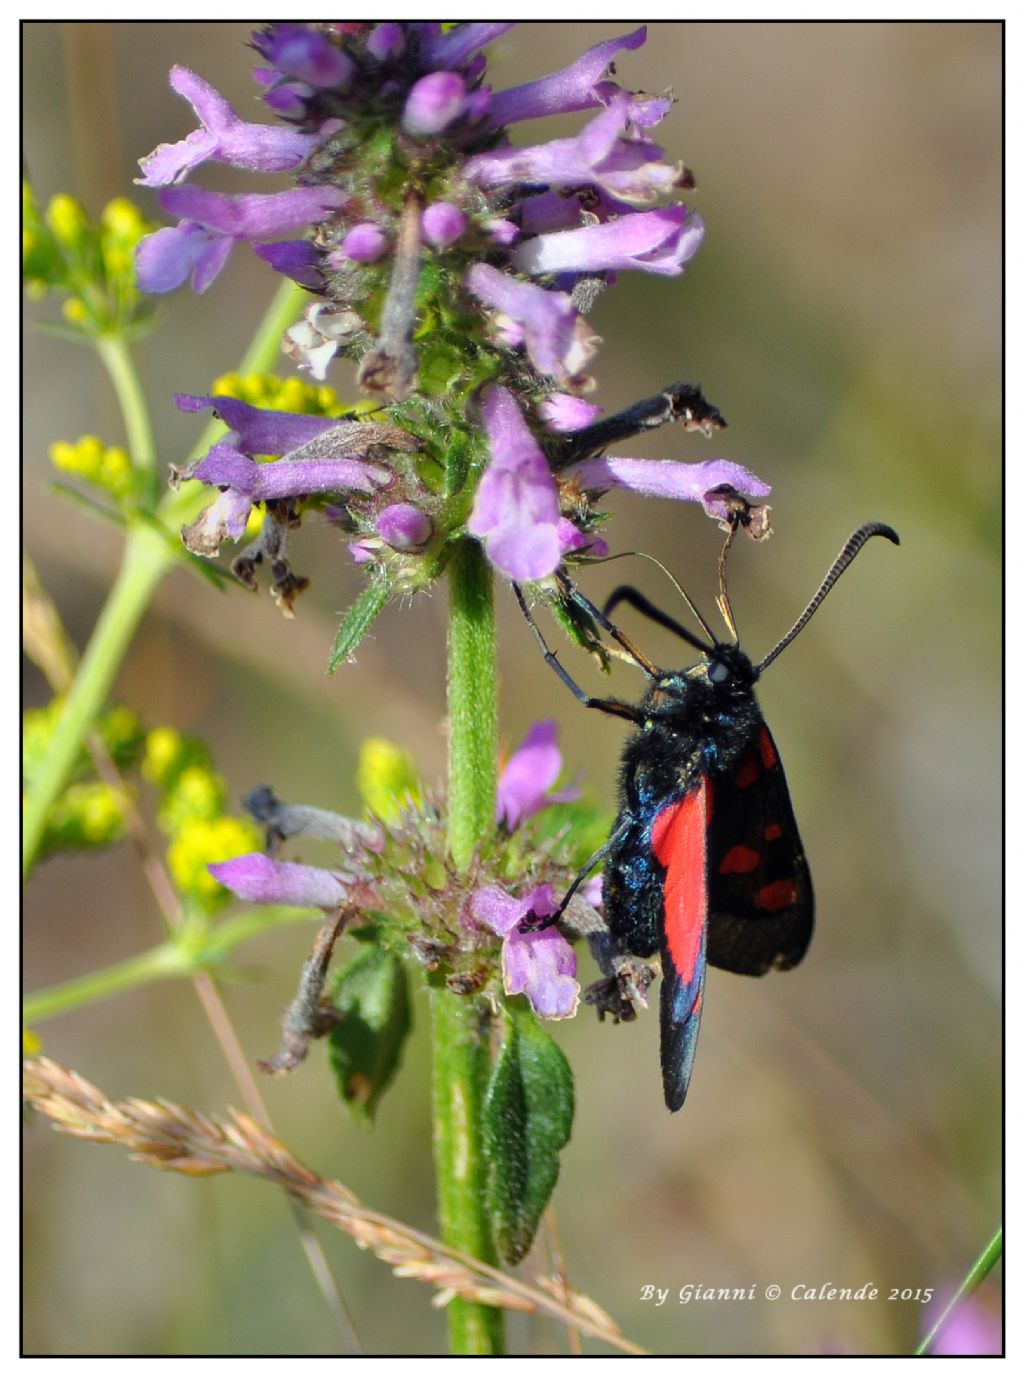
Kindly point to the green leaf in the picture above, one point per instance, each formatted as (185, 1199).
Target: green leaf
(358, 620)
(371, 996)
(527, 1121)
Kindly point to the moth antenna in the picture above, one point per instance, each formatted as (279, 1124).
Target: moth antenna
(842, 561)
(642, 554)
(724, 606)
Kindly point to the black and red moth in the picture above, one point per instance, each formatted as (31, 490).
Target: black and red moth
(704, 862)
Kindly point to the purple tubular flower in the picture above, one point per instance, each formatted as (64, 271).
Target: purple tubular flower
(442, 224)
(364, 243)
(211, 223)
(557, 339)
(524, 783)
(572, 88)
(435, 101)
(709, 483)
(258, 430)
(627, 168)
(655, 241)
(294, 258)
(403, 526)
(516, 506)
(305, 53)
(541, 965)
(223, 137)
(226, 466)
(264, 881)
(451, 49)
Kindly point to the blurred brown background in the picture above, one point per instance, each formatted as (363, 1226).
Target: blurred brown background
(844, 1119)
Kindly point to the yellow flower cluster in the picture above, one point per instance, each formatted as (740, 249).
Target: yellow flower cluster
(105, 466)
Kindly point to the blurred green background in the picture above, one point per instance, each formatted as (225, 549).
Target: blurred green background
(844, 1119)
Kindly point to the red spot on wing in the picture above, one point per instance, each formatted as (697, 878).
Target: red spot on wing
(772, 832)
(740, 860)
(679, 841)
(778, 895)
(768, 752)
(747, 773)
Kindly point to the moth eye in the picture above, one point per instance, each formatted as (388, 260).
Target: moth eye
(717, 672)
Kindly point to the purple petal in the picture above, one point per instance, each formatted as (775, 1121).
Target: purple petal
(252, 216)
(441, 224)
(224, 519)
(531, 771)
(434, 102)
(305, 53)
(572, 540)
(627, 168)
(282, 478)
(166, 258)
(656, 241)
(558, 342)
(364, 243)
(224, 137)
(294, 258)
(386, 41)
(562, 412)
(516, 505)
(452, 48)
(669, 478)
(264, 881)
(261, 431)
(403, 526)
(498, 910)
(572, 88)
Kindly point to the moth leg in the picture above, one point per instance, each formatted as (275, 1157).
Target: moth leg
(581, 600)
(634, 598)
(536, 924)
(609, 705)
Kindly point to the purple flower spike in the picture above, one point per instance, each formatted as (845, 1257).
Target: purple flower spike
(710, 483)
(305, 53)
(442, 224)
(264, 881)
(435, 102)
(223, 137)
(655, 241)
(516, 507)
(627, 168)
(403, 526)
(364, 243)
(541, 965)
(557, 340)
(572, 88)
(528, 776)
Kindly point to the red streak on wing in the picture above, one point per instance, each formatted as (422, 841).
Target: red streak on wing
(776, 896)
(739, 860)
(679, 841)
(747, 773)
(768, 752)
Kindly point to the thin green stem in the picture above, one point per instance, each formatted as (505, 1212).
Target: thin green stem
(980, 1269)
(120, 366)
(159, 963)
(461, 1024)
(147, 558)
(472, 704)
(462, 1065)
